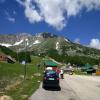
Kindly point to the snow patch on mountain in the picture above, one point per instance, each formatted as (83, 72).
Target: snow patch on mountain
(36, 42)
(30, 45)
(57, 45)
(18, 43)
(5, 44)
(66, 40)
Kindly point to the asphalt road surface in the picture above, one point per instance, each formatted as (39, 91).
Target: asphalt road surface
(72, 87)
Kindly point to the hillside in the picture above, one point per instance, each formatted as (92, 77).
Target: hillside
(7, 51)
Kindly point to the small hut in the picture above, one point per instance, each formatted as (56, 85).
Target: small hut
(3, 57)
(88, 68)
(51, 64)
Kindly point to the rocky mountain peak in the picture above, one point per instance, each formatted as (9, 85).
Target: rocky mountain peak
(46, 35)
(23, 36)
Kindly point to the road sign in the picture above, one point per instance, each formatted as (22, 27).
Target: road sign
(23, 62)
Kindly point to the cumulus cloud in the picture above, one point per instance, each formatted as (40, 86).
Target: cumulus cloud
(30, 12)
(56, 12)
(52, 12)
(95, 43)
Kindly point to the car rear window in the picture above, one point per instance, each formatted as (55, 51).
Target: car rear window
(51, 73)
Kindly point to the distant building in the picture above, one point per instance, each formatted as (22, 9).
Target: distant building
(6, 58)
(3, 57)
(50, 63)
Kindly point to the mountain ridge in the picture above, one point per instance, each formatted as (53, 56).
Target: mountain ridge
(42, 42)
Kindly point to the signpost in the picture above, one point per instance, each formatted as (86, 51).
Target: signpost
(24, 62)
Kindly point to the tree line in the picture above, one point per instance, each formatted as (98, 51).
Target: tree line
(77, 60)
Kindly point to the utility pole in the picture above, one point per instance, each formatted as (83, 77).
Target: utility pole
(18, 55)
(17, 50)
(25, 67)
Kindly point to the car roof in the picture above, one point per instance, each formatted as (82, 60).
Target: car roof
(50, 71)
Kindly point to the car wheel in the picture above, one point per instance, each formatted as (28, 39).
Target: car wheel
(43, 86)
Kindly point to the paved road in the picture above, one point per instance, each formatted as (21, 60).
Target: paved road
(72, 88)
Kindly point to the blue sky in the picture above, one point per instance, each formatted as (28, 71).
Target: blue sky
(78, 20)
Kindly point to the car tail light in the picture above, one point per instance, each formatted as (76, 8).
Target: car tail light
(58, 78)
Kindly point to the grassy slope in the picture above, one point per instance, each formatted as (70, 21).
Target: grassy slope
(12, 82)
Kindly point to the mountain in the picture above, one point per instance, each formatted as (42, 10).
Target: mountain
(42, 43)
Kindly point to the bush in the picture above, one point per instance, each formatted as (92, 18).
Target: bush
(24, 56)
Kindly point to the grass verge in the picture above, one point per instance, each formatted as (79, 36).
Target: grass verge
(12, 81)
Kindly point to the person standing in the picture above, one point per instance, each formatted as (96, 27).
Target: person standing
(62, 74)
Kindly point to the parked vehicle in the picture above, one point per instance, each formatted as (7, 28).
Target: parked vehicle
(69, 71)
(50, 79)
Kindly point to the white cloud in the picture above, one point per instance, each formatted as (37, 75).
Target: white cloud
(11, 19)
(95, 43)
(52, 12)
(32, 15)
(56, 12)
(30, 11)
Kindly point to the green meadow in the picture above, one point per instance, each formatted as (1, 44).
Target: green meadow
(12, 82)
